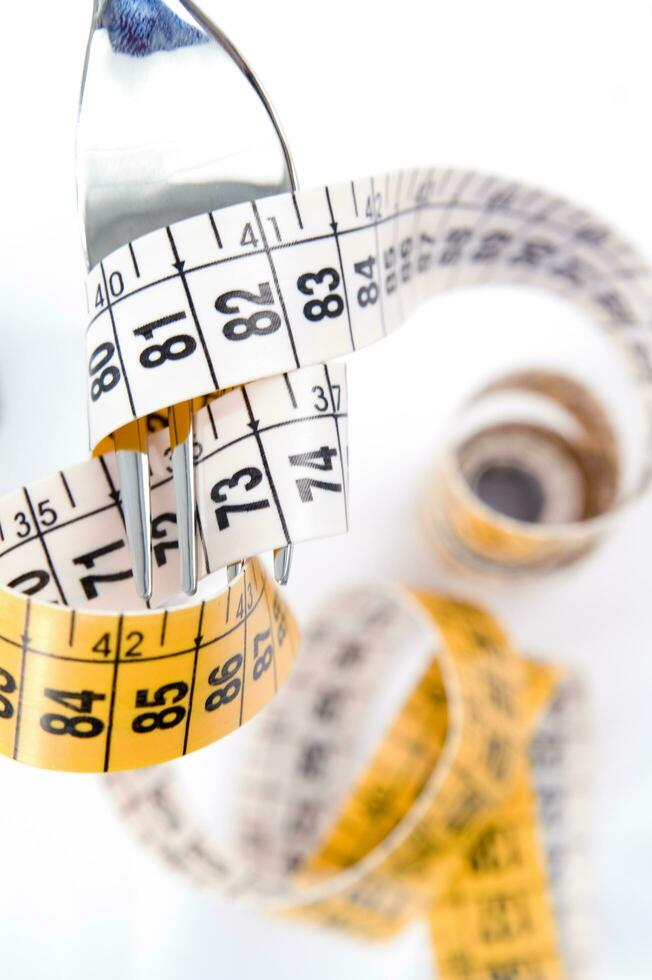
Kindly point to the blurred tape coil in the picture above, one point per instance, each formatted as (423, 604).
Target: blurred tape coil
(468, 812)
(258, 296)
(530, 489)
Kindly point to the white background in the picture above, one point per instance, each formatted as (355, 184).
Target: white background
(556, 94)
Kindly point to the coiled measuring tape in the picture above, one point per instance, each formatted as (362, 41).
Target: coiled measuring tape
(257, 297)
(556, 479)
(467, 810)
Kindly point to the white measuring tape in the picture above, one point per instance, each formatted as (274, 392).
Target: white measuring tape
(272, 286)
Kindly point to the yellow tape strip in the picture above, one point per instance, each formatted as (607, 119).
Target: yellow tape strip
(484, 788)
(97, 691)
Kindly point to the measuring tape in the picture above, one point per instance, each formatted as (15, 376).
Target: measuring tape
(296, 279)
(564, 478)
(256, 297)
(466, 810)
(322, 273)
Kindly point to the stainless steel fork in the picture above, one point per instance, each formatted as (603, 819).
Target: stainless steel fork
(172, 122)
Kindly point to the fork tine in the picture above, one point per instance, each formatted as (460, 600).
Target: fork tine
(133, 474)
(283, 563)
(133, 468)
(233, 570)
(183, 474)
(184, 487)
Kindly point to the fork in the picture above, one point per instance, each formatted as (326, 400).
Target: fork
(172, 122)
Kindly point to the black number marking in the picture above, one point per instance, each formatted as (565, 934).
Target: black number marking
(159, 535)
(368, 292)
(103, 645)
(262, 659)
(250, 477)
(280, 619)
(47, 514)
(319, 459)
(274, 223)
(249, 603)
(456, 239)
(373, 210)
(39, 578)
(331, 305)
(7, 686)
(321, 404)
(615, 306)
(227, 684)
(406, 259)
(248, 236)
(533, 253)
(491, 246)
(24, 526)
(312, 761)
(169, 715)
(116, 284)
(89, 583)
(104, 374)
(82, 724)
(173, 349)
(258, 323)
(389, 264)
(135, 638)
(426, 243)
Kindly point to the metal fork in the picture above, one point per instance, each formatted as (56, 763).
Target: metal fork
(172, 123)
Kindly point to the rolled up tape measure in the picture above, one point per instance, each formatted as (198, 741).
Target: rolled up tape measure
(464, 812)
(256, 296)
(523, 488)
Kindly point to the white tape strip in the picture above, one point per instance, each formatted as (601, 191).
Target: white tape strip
(262, 288)
(271, 467)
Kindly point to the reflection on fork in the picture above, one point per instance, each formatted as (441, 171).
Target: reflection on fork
(172, 123)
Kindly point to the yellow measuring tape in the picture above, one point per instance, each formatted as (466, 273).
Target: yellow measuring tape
(461, 812)
(268, 290)
(90, 692)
